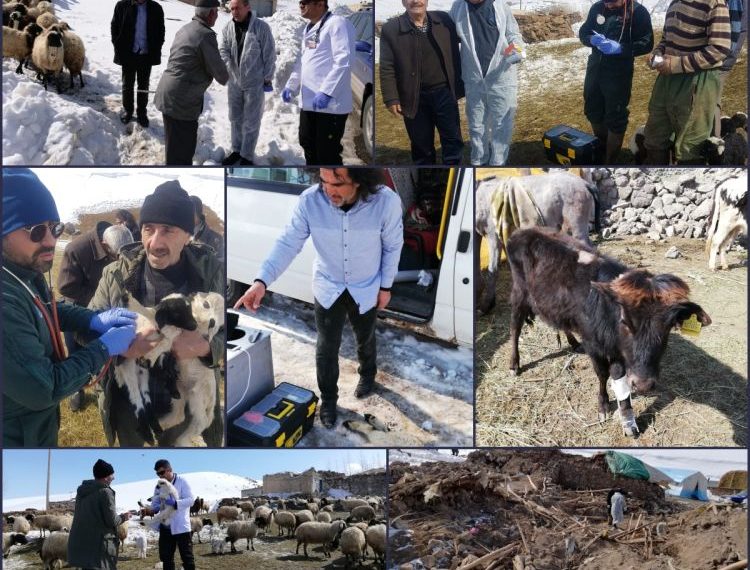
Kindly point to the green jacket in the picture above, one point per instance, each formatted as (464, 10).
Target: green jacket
(206, 275)
(33, 383)
(93, 540)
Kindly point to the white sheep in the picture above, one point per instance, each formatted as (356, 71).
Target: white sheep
(46, 19)
(353, 544)
(48, 54)
(263, 517)
(122, 534)
(314, 508)
(19, 524)
(361, 513)
(319, 533)
(9, 539)
(19, 43)
(285, 520)
(327, 509)
(50, 522)
(227, 513)
(74, 54)
(197, 524)
(350, 504)
(376, 539)
(164, 490)
(323, 516)
(141, 545)
(239, 530)
(54, 551)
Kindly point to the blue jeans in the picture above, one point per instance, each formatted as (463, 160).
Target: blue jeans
(330, 325)
(437, 109)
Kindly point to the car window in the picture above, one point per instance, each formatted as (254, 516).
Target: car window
(363, 25)
(288, 175)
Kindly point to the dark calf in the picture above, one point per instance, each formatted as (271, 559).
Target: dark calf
(623, 316)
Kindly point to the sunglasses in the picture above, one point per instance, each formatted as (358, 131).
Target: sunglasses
(161, 473)
(306, 2)
(38, 232)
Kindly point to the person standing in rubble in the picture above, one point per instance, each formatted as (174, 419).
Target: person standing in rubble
(616, 507)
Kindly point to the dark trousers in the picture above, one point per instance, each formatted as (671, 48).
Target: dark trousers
(138, 68)
(180, 138)
(168, 542)
(320, 137)
(330, 325)
(437, 109)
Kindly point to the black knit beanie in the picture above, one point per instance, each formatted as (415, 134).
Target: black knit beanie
(102, 469)
(169, 204)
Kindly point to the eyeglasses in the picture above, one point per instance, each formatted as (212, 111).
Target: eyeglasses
(38, 232)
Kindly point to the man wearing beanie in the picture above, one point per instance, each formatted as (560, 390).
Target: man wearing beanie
(204, 234)
(165, 261)
(93, 541)
(37, 373)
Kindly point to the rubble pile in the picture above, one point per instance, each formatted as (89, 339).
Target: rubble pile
(531, 510)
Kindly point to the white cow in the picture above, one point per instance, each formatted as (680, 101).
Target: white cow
(729, 219)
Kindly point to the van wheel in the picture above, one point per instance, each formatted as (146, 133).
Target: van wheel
(367, 125)
(235, 290)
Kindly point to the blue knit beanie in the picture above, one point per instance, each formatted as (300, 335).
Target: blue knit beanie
(26, 201)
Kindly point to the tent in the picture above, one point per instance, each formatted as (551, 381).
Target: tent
(628, 466)
(733, 481)
(694, 486)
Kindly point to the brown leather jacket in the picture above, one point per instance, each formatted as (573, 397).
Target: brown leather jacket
(399, 60)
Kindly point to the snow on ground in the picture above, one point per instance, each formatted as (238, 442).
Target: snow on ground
(209, 485)
(425, 394)
(81, 126)
(419, 456)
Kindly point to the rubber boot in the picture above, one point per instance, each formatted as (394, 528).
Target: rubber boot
(600, 132)
(614, 144)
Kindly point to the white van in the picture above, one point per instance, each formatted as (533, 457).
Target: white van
(433, 294)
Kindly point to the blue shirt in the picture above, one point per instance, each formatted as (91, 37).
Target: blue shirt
(140, 43)
(358, 250)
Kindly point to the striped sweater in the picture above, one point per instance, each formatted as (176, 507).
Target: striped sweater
(696, 35)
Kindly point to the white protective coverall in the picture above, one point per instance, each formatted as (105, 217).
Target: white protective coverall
(618, 509)
(492, 100)
(327, 66)
(245, 87)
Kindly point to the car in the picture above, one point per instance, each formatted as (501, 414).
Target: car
(363, 72)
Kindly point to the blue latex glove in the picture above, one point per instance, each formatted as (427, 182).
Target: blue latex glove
(610, 47)
(597, 39)
(117, 317)
(118, 339)
(171, 502)
(321, 100)
(157, 508)
(267, 87)
(286, 95)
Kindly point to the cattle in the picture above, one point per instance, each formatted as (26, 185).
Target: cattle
(728, 219)
(558, 200)
(199, 506)
(623, 316)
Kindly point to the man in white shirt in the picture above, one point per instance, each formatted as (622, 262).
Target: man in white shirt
(322, 77)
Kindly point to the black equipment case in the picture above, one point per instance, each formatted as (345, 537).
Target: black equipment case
(278, 420)
(568, 146)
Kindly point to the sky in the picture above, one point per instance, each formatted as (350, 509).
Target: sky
(25, 470)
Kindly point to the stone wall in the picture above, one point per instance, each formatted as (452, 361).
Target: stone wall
(370, 482)
(658, 202)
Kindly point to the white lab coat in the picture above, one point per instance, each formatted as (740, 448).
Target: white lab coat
(326, 67)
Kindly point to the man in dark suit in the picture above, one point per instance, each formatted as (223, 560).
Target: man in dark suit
(420, 78)
(137, 34)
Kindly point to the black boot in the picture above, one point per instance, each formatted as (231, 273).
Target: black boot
(364, 387)
(328, 413)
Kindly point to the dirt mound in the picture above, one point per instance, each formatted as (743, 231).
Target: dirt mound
(546, 510)
(544, 26)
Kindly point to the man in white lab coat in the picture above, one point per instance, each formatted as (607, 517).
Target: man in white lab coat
(322, 77)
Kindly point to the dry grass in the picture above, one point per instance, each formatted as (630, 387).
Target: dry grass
(700, 399)
(84, 427)
(551, 93)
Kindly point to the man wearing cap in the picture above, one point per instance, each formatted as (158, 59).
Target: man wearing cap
(249, 52)
(37, 373)
(177, 535)
(194, 62)
(204, 234)
(93, 540)
(322, 76)
(165, 261)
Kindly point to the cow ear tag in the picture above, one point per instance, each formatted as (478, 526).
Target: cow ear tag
(691, 326)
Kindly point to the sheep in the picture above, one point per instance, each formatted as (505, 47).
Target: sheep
(46, 19)
(319, 533)
(228, 514)
(122, 534)
(74, 54)
(19, 524)
(50, 522)
(304, 516)
(197, 524)
(18, 44)
(376, 539)
(246, 507)
(353, 544)
(323, 516)
(285, 520)
(141, 545)
(327, 509)
(361, 513)
(10, 9)
(9, 539)
(314, 508)
(199, 506)
(55, 550)
(164, 490)
(48, 54)
(263, 517)
(239, 530)
(349, 504)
